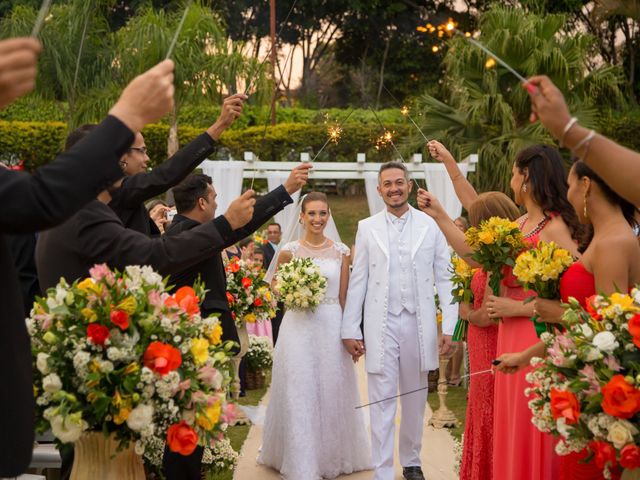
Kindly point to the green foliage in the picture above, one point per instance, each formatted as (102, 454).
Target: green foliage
(36, 143)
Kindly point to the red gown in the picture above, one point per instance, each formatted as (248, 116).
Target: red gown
(478, 431)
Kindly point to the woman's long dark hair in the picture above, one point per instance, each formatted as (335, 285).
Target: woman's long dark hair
(582, 170)
(548, 181)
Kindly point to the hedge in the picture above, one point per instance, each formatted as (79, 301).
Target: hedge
(39, 142)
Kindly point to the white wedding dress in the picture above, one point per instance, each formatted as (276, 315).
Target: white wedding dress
(312, 429)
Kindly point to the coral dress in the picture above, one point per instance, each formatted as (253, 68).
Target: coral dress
(520, 450)
(578, 283)
(478, 432)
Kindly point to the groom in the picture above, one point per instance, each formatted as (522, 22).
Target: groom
(400, 253)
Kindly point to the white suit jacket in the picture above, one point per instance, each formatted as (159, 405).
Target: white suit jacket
(369, 288)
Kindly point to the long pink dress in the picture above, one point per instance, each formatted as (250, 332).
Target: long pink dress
(520, 450)
(478, 431)
(260, 329)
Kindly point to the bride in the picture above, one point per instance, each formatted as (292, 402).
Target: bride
(312, 429)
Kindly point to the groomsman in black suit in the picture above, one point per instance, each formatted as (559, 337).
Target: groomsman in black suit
(195, 201)
(274, 236)
(34, 202)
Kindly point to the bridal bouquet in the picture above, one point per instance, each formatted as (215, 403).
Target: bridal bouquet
(586, 391)
(540, 269)
(496, 244)
(249, 296)
(116, 353)
(300, 284)
(461, 275)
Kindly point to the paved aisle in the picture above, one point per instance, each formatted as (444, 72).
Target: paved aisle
(437, 449)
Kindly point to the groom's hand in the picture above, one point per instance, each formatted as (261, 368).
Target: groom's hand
(354, 347)
(446, 345)
(298, 178)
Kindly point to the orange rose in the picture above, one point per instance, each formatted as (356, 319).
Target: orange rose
(591, 309)
(620, 399)
(634, 329)
(246, 282)
(120, 318)
(162, 358)
(230, 299)
(564, 405)
(187, 299)
(233, 266)
(182, 439)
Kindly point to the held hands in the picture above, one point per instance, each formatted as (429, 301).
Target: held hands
(354, 347)
(240, 211)
(231, 110)
(547, 104)
(297, 178)
(18, 67)
(439, 152)
(429, 204)
(147, 98)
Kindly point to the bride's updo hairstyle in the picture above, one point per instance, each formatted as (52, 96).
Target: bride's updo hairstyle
(313, 197)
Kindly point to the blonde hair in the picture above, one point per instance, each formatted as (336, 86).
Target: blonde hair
(492, 204)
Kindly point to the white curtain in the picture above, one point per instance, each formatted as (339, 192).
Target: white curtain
(376, 204)
(227, 180)
(439, 183)
(274, 180)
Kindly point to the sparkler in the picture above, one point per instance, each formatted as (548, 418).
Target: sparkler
(404, 110)
(334, 133)
(177, 33)
(42, 15)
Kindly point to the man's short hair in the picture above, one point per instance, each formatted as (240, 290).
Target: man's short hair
(276, 224)
(390, 165)
(192, 188)
(78, 134)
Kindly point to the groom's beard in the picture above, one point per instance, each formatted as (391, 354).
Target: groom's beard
(396, 202)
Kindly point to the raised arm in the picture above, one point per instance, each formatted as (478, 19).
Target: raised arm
(464, 190)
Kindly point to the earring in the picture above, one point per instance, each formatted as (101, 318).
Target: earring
(524, 188)
(584, 211)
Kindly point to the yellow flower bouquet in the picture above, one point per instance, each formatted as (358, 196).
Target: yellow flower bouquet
(496, 244)
(461, 275)
(539, 269)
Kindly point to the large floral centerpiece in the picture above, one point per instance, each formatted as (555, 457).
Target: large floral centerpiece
(116, 353)
(249, 296)
(539, 269)
(461, 276)
(300, 284)
(496, 244)
(586, 390)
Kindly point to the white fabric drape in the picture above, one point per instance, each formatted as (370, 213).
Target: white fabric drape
(439, 183)
(376, 204)
(274, 180)
(227, 180)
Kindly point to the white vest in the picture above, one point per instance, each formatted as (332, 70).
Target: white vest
(401, 285)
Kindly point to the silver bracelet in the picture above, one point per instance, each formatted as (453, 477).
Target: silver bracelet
(567, 127)
(586, 140)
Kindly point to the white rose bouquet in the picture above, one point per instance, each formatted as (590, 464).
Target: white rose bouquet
(300, 284)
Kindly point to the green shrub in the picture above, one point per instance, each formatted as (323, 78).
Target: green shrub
(34, 109)
(35, 142)
(623, 127)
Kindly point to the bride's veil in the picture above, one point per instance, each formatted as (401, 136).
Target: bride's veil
(295, 231)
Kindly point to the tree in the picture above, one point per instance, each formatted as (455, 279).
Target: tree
(485, 110)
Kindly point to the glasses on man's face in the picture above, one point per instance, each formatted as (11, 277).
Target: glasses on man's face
(142, 150)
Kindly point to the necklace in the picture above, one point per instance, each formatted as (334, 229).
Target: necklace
(537, 228)
(313, 245)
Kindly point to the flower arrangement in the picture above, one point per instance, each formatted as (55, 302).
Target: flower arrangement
(260, 238)
(461, 275)
(496, 244)
(221, 457)
(249, 296)
(117, 353)
(300, 284)
(539, 269)
(586, 390)
(260, 353)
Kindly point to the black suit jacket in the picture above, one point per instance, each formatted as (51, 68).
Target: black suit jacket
(211, 270)
(31, 203)
(128, 200)
(96, 235)
(269, 252)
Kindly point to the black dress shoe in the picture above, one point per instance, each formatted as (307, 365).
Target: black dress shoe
(412, 473)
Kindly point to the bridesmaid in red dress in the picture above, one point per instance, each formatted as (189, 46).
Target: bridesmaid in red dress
(482, 334)
(539, 183)
(611, 258)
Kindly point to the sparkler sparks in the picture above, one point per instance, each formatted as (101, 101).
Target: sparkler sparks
(404, 110)
(335, 133)
(385, 140)
(490, 63)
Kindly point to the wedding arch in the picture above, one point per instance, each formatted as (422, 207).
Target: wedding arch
(228, 176)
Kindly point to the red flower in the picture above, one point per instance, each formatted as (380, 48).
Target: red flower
(233, 266)
(187, 299)
(246, 282)
(257, 302)
(620, 399)
(630, 457)
(565, 405)
(604, 454)
(120, 318)
(230, 299)
(98, 334)
(182, 439)
(634, 329)
(162, 358)
(591, 309)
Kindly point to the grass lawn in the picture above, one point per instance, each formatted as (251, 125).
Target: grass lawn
(347, 212)
(457, 403)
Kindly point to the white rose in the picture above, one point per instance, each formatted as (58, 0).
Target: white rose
(51, 383)
(586, 330)
(621, 433)
(605, 341)
(591, 354)
(69, 429)
(140, 417)
(41, 363)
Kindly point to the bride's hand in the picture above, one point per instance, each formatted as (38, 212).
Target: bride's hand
(354, 347)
